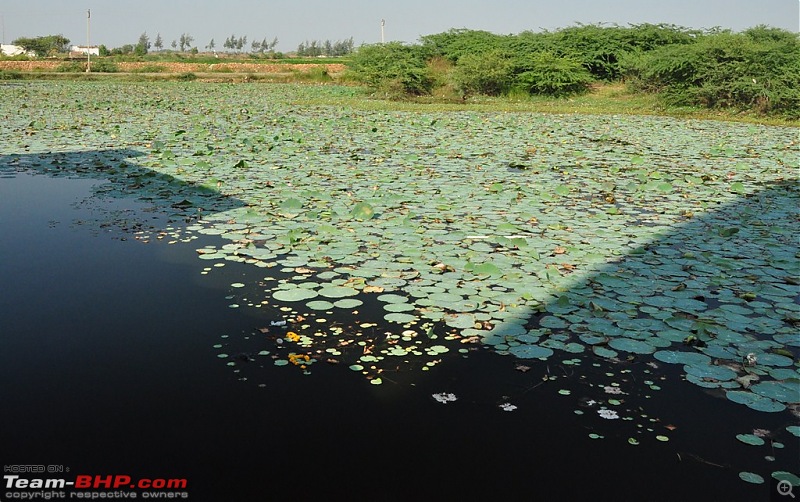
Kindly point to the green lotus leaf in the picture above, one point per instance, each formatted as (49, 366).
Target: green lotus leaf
(362, 211)
(751, 477)
(400, 317)
(750, 439)
(629, 345)
(720, 373)
(348, 303)
(294, 294)
(526, 351)
(320, 305)
(337, 291)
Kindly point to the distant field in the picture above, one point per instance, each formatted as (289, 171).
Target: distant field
(180, 67)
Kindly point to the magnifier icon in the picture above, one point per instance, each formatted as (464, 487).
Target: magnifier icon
(785, 488)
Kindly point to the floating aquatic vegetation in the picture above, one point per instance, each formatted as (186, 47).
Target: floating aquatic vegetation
(751, 477)
(643, 251)
(751, 439)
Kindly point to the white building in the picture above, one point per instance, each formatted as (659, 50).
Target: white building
(82, 49)
(14, 50)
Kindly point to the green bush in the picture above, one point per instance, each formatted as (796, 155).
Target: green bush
(392, 68)
(549, 74)
(97, 66)
(755, 70)
(10, 75)
(71, 67)
(104, 66)
(600, 48)
(490, 73)
(455, 44)
(150, 68)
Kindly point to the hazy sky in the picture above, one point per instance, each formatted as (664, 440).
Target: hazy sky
(118, 22)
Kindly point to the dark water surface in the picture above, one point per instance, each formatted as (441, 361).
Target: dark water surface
(107, 368)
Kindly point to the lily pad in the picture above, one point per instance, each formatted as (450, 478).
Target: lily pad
(294, 294)
(337, 291)
(751, 439)
(530, 351)
(751, 477)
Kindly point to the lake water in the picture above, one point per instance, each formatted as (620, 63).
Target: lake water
(108, 368)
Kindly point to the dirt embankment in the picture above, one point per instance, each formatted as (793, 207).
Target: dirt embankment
(45, 66)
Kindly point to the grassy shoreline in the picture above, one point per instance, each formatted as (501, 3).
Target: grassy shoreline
(603, 99)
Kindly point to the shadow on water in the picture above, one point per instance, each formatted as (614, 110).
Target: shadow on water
(125, 179)
(612, 356)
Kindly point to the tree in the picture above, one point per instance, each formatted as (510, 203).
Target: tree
(240, 43)
(255, 46)
(211, 45)
(143, 45)
(103, 50)
(185, 41)
(174, 44)
(158, 44)
(43, 46)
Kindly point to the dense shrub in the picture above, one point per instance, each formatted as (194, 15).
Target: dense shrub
(10, 75)
(97, 66)
(600, 48)
(490, 73)
(758, 69)
(549, 74)
(393, 67)
(455, 44)
(754, 70)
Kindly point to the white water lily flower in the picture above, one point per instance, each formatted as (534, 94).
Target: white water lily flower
(607, 414)
(444, 398)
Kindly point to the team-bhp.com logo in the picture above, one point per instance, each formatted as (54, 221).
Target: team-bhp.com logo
(85, 486)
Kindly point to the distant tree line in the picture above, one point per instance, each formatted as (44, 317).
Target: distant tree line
(55, 44)
(43, 46)
(327, 48)
(755, 69)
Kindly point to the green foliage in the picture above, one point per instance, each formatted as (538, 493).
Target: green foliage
(97, 66)
(104, 66)
(71, 67)
(10, 75)
(393, 68)
(455, 44)
(143, 45)
(549, 74)
(757, 69)
(600, 48)
(43, 46)
(327, 48)
(316, 74)
(150, 68)
(490, 73)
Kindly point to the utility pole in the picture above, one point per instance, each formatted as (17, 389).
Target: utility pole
(88, 46)
(383, 23)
